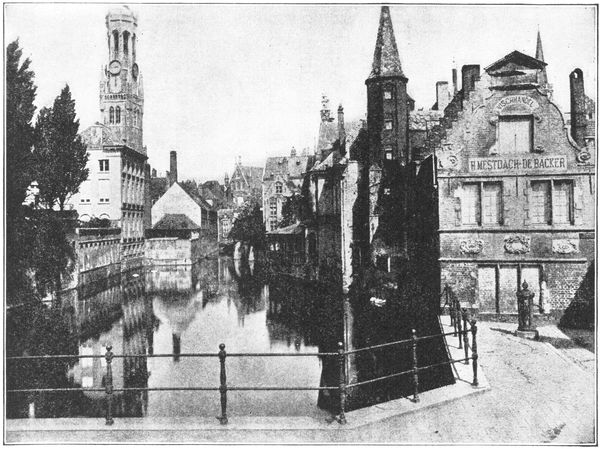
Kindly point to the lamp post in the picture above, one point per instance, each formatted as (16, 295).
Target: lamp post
(526, 327)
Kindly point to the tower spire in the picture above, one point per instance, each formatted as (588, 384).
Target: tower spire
(386, 61)
(539, 54)
(539, 51)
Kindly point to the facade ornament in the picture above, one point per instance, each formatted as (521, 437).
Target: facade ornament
(565, 246)
(584, 156)
(517, 244)
(538, 118)
(471, 246)
(539, 149)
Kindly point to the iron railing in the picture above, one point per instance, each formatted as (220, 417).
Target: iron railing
(222, 355)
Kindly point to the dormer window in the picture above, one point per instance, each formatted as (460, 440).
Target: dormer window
(278, 187)
(515, 134)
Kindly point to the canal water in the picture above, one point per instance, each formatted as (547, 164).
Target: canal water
(175, 310)
(168, 313)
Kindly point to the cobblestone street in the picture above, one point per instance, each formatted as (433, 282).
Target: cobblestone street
(539, 394)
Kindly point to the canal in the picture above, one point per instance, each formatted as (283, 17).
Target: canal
(174, 310)
(167, 313)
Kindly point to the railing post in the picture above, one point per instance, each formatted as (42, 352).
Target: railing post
(342, 382)
(474, 351)
(458, 321)
(109, 385)
(223, 387)
(465, 336)
(415, 366)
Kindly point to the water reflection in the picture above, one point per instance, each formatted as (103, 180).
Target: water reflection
(187, 309)
(174, 310)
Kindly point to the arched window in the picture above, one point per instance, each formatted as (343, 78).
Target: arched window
(118, 115)
(111, 115)
(126, 43)
(133, 46)
(115, 42)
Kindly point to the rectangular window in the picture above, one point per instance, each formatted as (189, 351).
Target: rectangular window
(389, 154)
(498, 285)
(387, 94)
(388, 124)
(515, 134)
(551, 202)
(103, 165)
(481, 203)
(273, 207)
(492, 203)
(562, 201)
(540, 202)
(470, 204)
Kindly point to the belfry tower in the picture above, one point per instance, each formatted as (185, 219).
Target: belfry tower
(121, 87)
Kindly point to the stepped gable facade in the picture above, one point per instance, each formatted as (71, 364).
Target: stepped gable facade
(515, 188)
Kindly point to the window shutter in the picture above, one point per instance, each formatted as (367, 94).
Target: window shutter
(526, 200)
(577, 202)
(507, 188)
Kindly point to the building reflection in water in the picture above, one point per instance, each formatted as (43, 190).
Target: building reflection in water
(190, 309)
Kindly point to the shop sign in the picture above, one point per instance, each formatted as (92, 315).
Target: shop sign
(494, 164)
(512, 100)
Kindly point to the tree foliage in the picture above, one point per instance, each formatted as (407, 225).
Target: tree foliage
(290, 211)
(249, 226)
(20, 93)
(60, 154)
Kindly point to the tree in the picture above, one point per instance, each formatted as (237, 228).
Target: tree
(60, 154)
(290, 211)
(20, 93)
(248, 226)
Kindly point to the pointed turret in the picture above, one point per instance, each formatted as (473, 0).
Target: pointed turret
(539, 55)
(386, 61)
(539, 51)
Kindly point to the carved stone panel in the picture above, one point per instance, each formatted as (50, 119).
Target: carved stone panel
(517, 244)
(471, 246)
(565, 246)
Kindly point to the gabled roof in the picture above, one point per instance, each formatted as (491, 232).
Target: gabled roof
(386, 61)
(518, 58)
(175, 221)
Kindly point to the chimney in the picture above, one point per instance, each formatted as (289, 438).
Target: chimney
(470, 74)
(341, 129)
(454, 80)
(578, 118)
(293, 152)
(442, 96)
(173, 171)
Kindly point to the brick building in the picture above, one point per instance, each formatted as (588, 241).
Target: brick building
(515, 190)
(245, 183)
(282, 179)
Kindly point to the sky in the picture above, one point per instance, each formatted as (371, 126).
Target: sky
(226, 80)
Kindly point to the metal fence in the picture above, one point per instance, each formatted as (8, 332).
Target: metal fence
(462, 331)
